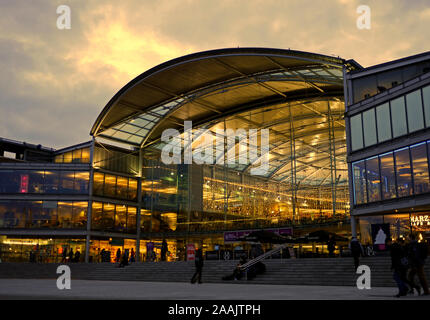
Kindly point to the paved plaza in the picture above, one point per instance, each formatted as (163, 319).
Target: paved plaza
(90, 289)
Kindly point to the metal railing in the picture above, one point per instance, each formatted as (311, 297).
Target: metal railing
(265, 255)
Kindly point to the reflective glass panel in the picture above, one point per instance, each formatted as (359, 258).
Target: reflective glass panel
(360, 188)
(426, 100)
(420, 168)
(384, 122)
(398, 117)
(369, 127)
(97, 216)
(121, 218)
(373, 180)
(356, 132)
(388, 176)
(403, 172)
(415, 111)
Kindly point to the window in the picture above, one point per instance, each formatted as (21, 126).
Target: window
(121, 187)
(98, 183)
(108, 216)
(65, 215)
(398, 117)
(426, 100)
(131, 219)
(109, 187)
(121, 218)
(415, 111)
(373, 180)
(80, 214)
(384, 122)
(52, 181)
(132, 189)
(403, 172)
(356, 132)
(388, 177)
(369, 127)
(97, 216)
(360, 189)
(67, 180)
(420, 168)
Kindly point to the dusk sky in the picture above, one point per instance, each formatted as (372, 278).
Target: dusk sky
(54, 83)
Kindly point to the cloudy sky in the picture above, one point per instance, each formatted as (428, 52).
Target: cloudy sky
(54, 83)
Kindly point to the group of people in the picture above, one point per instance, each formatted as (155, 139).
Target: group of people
(407, 261)
(70, 256)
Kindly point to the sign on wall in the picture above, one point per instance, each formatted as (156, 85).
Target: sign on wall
(420, 222)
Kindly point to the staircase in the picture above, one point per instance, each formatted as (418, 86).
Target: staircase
(311, 271)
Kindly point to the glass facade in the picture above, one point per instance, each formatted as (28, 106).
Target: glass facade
(398, 117)
(75, 156)
(371, 85)
(113, 217)
(401, 173)
(114, 186)
(43, 214)
(44, 181)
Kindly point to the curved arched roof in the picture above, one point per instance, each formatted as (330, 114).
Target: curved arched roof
(208, 86)
(184, 88)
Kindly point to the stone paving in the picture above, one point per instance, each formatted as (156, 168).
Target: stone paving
(90, 289)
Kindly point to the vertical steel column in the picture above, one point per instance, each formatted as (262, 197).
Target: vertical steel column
(90, 203)
(293, 165)
(139, 205)
(225, 175)
(331, 150)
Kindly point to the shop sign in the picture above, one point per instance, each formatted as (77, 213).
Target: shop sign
(380, 234)
(421, 221)
(191, 252)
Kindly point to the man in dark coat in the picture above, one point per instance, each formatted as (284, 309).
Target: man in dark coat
(417, 253)
(199, 267)
(399, 265)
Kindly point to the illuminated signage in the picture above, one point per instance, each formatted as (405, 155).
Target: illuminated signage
(420, 221)
(24, 184)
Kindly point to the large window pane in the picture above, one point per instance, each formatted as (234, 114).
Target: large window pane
(403, 172)
(420, 168)
(398, 117)
(356, 132)
(384, 122)
(67, 182)
(369, 127)
(98, 183)
(388, 176)
(81, 182)
(360, 189)
(121, 218)
(426, 100)
(121, 187)
(35, 181)
(97, 216)
(9, 181)
(131, 219)
(108, 216)
(415, 111)
(65, 215)
(132, 189)
(373, 180)
(109, 188)
(52, 181)
(80, 214)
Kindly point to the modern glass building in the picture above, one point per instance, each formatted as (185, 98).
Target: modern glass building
(133, 184)
(388, 120)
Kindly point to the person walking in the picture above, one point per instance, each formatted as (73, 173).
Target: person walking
(77, 255)
(417, 254)
(199, 267)
(71, 255)
(399, 265)
(164, 249)
(356, 251)
(118, 255)
(331, 246)
(64, 255)
(132, 256)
